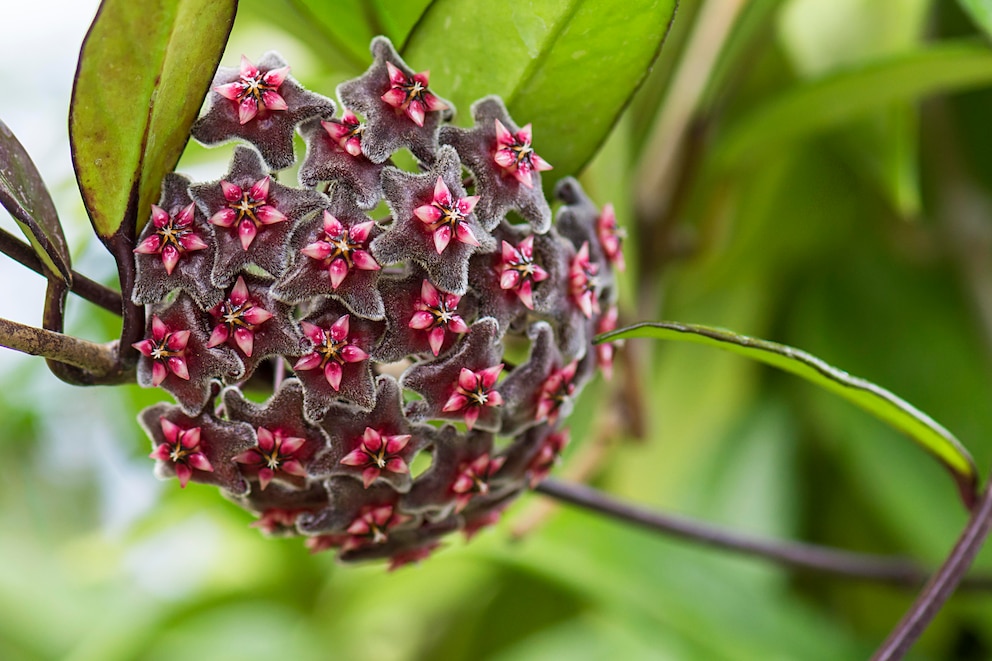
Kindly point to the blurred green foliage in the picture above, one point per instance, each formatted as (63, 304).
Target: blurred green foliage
(829, 189)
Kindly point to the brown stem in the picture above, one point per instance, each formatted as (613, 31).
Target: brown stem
(98, 359)
(82, 286)
(886, 569)
(941, 585)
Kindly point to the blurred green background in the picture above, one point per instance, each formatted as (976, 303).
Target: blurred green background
(814, 172)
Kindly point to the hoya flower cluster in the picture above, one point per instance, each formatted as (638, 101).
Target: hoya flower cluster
(419, 366)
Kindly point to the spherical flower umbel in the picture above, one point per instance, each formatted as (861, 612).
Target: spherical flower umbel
(421, 360)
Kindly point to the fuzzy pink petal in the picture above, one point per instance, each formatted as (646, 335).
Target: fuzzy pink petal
(199, 461)
(468, 379)
(467, 204)
(333, 373)
(427, 213)
(256, 315)
(522, 174)
(539, 274)
(455, 403)
(442, 237)
(239, 294)
(489, 375)
(509, 279)
(232, 192)
(178, 367)
(420, 320)
(503, 134)
(494, 399)
(396, 76)
(464, 234)
(353, 354)
(353, 146)
(293, 467)
(170, 430)
(275, 77)
(159, 372)
(230, 90)
(336, 130)
(308, 362)
(265, 476)
(436, 339)
(370, 475)
(526, 295)
(394, 97)
(250, 456)
(183, 473)
(539, 163)
(356, 457)
(416, 112)
(339, 329)
(397, 465)
(360, 231)
(313, 332)
(471, 415)
(269, 215)
(246, 233)
(245, 339)
(442, 195)
(364, 261)
(218, 336)
(318, 250)
(145, 347)
(273, 100)
(170, 257)
(338, 271)
(266, 439)
(247, 110)
(396, 443)
(193, 242)
(224, 218)
(504, 158)
(457, 325)
(291, 444)
(429, 294)
(149, 246)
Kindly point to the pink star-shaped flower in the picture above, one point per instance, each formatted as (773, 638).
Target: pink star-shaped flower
(605, 350)
(583, 282)
(435, 314)
(182, 449)
(516, 156)
(172, 237)
(372, 526)
(236, 318)
(167, 349)
(518, 272)
(255, 90)
(332, 350)
(555, 391)
(378, 452)
(347, 132)
(547, 456)
(473, 478)
(409, 94)
(445, 217)
(610, 236)
(248, 210)
(275, 452)
(341, 249)
(473, 391)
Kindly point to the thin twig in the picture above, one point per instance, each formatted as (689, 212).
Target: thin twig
(942, 585)
(98, 359)
(82, 286)
(886, 569)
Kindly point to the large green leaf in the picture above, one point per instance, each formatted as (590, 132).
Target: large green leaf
(143, 72)
(567, 66)
(874, 399)
(980, 12)
(24, 194)
(839, 97)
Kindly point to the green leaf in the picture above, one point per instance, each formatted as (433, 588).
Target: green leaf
(24, 194)
(874, 399)
(837, 98)
(567, 66)
(143, 72)
(980, 12)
